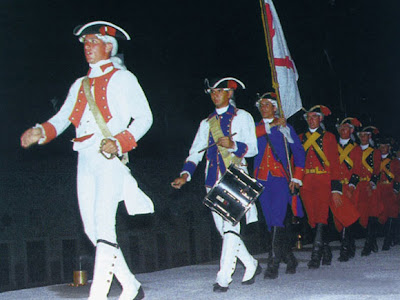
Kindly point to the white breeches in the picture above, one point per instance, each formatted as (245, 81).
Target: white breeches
(99, 192)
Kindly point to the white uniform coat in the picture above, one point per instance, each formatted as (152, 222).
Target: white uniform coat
(103, 183)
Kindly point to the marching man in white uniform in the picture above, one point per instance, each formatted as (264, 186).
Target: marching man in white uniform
(102, 106)
(229, 135)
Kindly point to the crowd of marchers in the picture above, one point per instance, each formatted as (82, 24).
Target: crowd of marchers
(304, 175)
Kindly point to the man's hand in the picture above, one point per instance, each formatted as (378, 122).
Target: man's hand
(178, 182)
(293, 186)
(337, 199)
(109, 146)
(30, 137)
(226, 142)
(279, 121)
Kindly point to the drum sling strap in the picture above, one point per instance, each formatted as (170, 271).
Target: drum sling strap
(216, 132)
(365, 155)
(99, 117)
(344, 154)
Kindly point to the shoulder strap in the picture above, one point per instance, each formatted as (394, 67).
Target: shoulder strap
(99, 117)
(95, 110)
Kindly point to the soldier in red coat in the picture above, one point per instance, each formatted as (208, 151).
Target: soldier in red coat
(322, 189)
(387, 193)
(396, 187)
(368, 204)
(350, 166)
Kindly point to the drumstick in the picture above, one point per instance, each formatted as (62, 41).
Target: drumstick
(209, 146)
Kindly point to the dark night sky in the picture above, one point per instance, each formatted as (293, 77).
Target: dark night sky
(345, 53)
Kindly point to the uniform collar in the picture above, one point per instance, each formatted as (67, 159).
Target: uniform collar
(363, 147)
(230, 109)
(343, 142)
(100, 68)
(267, 121)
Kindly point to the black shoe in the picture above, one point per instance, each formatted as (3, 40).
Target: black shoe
(366, 250)
(219, 289)
(386, 247)
(140, 294)
(314, 264)
(271, 272)
(253, 279)
(291, 266)
(343, 258)
(344, 254)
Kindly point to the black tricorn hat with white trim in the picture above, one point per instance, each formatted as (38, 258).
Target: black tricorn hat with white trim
(227, 83)
(103, 28)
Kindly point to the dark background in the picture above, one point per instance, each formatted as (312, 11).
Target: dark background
(345, 52)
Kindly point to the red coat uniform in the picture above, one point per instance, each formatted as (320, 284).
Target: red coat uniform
(395, 166)
(368, 204)
(322, 177)
(386, 190)
(349, 168)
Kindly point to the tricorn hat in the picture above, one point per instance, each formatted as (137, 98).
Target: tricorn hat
(319, 109)
(103, 28)
(352, 122)
(384, 140)
(270, 96)
(226, 83)
(370, 129)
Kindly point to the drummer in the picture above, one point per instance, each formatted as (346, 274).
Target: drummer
(227, 135)
(280, 200)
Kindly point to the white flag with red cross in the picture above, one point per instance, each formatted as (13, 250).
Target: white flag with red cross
(286, 72)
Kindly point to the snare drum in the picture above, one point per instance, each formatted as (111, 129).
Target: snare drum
(233, 194)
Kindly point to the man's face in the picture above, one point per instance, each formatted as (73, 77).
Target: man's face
(364, 138)
(95, 49)
(267, 109)
(313, 120)
(220, 97)
(345, 131)
(384, 148)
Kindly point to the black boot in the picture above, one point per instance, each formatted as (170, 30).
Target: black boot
(374, 244)
(326, 249)
(387, 235)
(288, 258)
(316, 253)
(345, 246)
(278, 244)
(292, 263)
(368, 239)
(326, 254)
(394, 232)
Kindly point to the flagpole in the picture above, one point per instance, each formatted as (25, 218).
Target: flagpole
(268, 43)
(274, 75)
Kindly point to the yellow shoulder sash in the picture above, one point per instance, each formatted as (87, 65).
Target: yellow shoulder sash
(344, 154)
(312, 141)
(216, 131)
(365, 154)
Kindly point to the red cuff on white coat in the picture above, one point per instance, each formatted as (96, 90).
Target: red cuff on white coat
(126, 140)
(49, 132)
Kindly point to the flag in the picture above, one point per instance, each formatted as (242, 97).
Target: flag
(282, 64)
